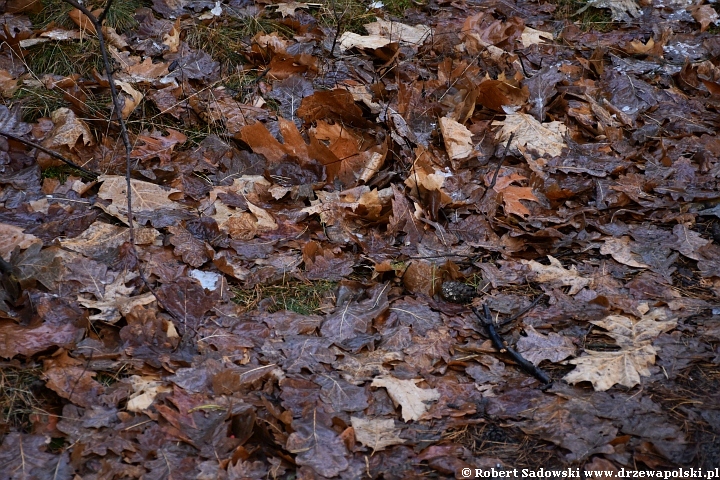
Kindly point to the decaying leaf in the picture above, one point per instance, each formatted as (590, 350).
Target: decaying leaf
(406, 393)
(620, 249)
(376, 433)
(626, 366)
(537, 347)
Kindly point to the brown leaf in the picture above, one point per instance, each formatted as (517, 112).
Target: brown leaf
(187, 301)
(71, 379)
(544, 139)
(354, 318)
(157, 145)
(318, 447)
(536, 347)
(67, 131)
(11, 237)
(115, 302)
(555, 274)
(704, 15)
(194, 252)
(325, 263)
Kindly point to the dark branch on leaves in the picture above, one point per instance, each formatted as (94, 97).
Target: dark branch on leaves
(97, 23)
(53, 154)
(497, 341)
(502, 160)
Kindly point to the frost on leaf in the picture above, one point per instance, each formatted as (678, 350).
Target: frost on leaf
(622, 10)
(407, 394)
(636, 354)
(376, 433)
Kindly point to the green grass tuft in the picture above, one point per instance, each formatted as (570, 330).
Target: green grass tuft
(304, 298)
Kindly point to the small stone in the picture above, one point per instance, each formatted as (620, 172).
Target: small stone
(458, 292)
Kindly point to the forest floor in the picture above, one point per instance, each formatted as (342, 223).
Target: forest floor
(390, 241)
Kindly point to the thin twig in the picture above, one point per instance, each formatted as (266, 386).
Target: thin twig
(51, 153)
(502, 160)
(97, 23)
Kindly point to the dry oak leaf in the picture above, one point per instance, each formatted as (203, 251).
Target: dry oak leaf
(511, 194)
(376, 433)
(145, 389)
(317, 447)
(289, 8)
(147, 197)
(101, 237)
(543, 138)
(556, 274)
(356, 162)
(67, 130)
(132, 98)
(156, 145)
(530, 36)
(620, 249)
(407, 394)
(624, 367)
(11, 237)
(457, 138)
(116, 302)
(704, 15)
(399, 32)
(537, 347)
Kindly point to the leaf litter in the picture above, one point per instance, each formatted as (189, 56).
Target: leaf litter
(305, 212)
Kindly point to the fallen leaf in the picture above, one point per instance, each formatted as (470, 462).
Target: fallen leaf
(543, 138)
(156, 145)
(318, 447)
(376, 433)
(145, 389)
(116, 300)
(289, 8)
(457, 138)
(704, 15)
(67, 131)
(530, 36)
(147, 197)
(399, 32)
(406, 393)
(11, 237)
(536, 347)
(620, 250)
(131, 100)
(556, 274)
(626, 366)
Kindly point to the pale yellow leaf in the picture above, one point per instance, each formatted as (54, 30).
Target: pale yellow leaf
(407, 394)
(376, 433)
(457, 138)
